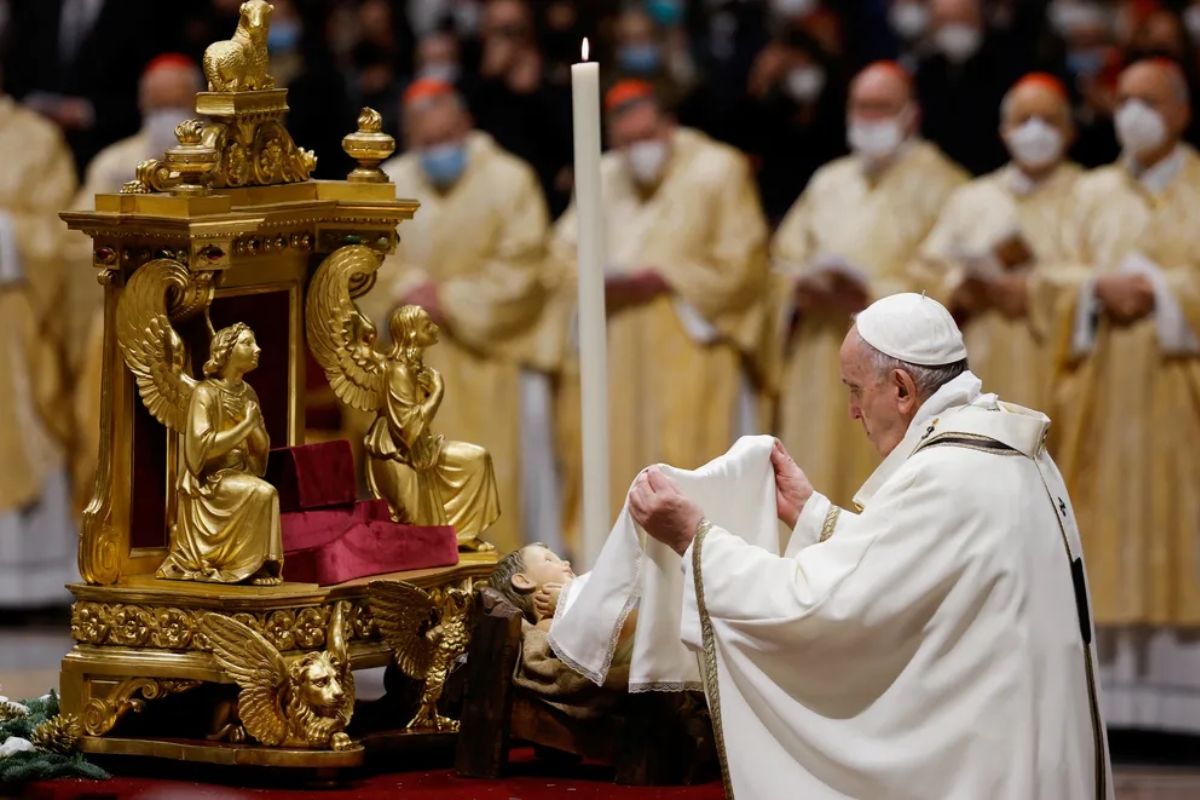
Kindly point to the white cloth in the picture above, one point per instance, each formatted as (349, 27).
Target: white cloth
(913, 328)
(12, 269)
(38, 549)
(930, 649)
(539, 479)
(1151, 679)
(1156, 178)
(738, 490)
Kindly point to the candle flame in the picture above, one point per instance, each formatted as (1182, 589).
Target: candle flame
(585, 48)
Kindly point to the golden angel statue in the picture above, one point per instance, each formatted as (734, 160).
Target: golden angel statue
(425, 479)
(307, 704)
(226, 528)
(426, 635)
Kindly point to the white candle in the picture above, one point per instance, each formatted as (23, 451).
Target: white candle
(593, 346)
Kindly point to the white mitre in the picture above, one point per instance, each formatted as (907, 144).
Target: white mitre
(913, 328)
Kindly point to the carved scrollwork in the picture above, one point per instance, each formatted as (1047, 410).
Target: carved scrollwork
(193, 298)
(101, 715)
(172, 628)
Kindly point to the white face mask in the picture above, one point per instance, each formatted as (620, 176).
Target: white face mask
(957, 41)
(1066, 17)
(444, 71)
(790, 9)
(804, 84)
(1035, 144)
(909, 20)
(160, 126)
(877, 140)
(1191, 20)
(646, 160)
(1140, 128)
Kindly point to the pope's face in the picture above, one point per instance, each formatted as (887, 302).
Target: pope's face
(244, 356)
(541, 566)
(884, 403)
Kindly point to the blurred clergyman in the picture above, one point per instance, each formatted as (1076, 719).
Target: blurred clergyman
(1129, 411)
(167, 97)
(998, 243)
(686, 241)
(37, 538)
(473, 258)
(847, 241)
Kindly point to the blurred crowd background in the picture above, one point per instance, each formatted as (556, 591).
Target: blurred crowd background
(750, 99)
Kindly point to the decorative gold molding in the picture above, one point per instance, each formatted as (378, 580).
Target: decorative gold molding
(102, 714)
(174, 628)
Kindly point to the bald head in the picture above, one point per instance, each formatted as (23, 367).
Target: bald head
(880, 91)
(1032, 98)
(1154, 80)
(962, 12)
(169, 86)
(436, 120)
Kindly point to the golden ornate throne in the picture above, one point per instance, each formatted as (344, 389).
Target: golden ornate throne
(234, 207)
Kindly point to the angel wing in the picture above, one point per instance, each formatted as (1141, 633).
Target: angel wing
(336, 641)
(258, 669)
(339, 336)
(153, 351)
(403, 613)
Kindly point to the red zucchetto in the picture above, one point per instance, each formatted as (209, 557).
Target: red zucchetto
(626, 92)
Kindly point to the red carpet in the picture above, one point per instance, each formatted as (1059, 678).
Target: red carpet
(527, 780)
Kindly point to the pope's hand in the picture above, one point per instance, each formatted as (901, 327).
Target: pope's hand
(792, 488)
(663, 510)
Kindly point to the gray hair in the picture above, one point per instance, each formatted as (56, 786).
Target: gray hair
(927, 379)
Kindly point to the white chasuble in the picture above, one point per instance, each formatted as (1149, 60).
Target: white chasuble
(936, 646)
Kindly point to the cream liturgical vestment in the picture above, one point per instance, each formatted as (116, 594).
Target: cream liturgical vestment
(1129, 405)
(936, 646)
(37, 539)
(677, 366)
(482, 243)
(870, 226)
(1012, 356)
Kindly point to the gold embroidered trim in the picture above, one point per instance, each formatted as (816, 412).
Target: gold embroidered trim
(831, 520)
(711, 686)
(970, 441)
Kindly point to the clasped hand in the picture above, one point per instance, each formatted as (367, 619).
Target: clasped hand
(634, 289)
(830, 290)
(1127, 298)
(662, 509)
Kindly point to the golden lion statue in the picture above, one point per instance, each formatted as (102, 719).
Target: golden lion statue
(305, 705)
(240, 64)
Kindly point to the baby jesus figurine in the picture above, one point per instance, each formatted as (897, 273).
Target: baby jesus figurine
(534, 579)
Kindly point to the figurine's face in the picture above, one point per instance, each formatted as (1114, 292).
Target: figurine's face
(244, 355)
(541, 566)
(427, 331)
(257, 15)
(319, 684)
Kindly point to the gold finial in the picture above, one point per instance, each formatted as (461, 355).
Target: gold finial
(369, 146)
(192, 160)
(370, 121)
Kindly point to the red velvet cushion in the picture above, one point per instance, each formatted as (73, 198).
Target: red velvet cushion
(313, 476)
(371, 547)
(305, 529)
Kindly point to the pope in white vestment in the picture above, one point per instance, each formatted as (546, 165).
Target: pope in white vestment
(935, 646)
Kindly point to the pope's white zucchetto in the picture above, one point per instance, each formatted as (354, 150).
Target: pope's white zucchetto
(913, 328)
